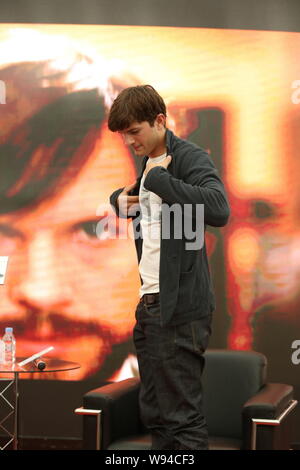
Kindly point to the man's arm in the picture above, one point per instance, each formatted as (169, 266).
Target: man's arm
(201, 185)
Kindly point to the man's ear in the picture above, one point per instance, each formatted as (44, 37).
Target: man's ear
(160, 121)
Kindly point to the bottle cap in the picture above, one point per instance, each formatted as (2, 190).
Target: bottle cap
(8, 329)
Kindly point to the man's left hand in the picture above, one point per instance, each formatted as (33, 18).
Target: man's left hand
(164, 163)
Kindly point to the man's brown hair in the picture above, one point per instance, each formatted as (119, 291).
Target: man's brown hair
(135, 104)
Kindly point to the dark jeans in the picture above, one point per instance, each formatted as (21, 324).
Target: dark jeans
(171, 362)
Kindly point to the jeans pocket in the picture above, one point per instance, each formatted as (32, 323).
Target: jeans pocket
(201, 332)
(153, 310)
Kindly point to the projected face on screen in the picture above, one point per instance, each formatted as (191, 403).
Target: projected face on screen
(68, 285)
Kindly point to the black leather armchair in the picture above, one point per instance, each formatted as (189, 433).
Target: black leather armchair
(242, 410)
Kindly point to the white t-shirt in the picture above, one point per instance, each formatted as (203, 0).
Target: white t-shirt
(150, 205)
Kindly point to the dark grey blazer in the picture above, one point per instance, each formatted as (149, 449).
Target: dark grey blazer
(186, 292)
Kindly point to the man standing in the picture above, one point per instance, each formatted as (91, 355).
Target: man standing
(173, 317)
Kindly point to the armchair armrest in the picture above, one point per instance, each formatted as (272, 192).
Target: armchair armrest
(119, 406)
(269, 408)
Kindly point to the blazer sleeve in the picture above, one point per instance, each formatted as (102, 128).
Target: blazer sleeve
(199, 184)
(114, 203)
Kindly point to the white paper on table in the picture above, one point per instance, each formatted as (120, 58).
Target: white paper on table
(3, 267)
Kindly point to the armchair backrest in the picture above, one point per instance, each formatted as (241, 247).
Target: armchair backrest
(230, 378)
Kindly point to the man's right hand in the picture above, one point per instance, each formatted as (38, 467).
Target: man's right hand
(128, 204)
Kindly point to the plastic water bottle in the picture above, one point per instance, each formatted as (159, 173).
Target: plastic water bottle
(10, 346)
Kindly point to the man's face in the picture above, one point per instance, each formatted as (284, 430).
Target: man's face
(145, 139)
(66, 287)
